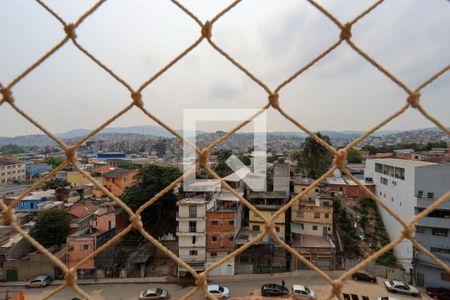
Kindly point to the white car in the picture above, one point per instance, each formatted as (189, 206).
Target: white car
(219, 291)
(155, 293)
(304, 291)
(401, 287)
(387, 298)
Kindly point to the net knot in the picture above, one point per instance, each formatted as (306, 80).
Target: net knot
(337, 287)
(7, 95)
(340, 159)
(71, 276)
(9, 216)
(273, 100)
(69, 29)
(137, 99)
(136, 221)
(201, 279)
(346, 32)
(414, 100)
(206, 30)
(71, 154)
(408, 232)
(203, 157)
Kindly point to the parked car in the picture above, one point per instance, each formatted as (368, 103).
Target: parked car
(219, 291)
(273, 289)
(154, 293)
(39, 281)
(401, 287)
(387, 298)
(302, 291)
(439, 293)
(364, 277)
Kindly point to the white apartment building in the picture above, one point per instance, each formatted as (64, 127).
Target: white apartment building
(407, 187)
(11, 170)
(191, 232)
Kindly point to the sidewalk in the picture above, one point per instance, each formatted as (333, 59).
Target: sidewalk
(174, 280)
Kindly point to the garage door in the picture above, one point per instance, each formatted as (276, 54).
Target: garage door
(324, 262)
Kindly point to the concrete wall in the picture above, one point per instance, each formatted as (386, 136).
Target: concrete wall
(183, 225)
(226, 269)
(398, 195)
(183, 211)
(34, 264)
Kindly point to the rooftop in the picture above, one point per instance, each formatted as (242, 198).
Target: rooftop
(5, 161)
(119, 173)
(404, 162)
(193, 200)
(311, 241)
(103, 169)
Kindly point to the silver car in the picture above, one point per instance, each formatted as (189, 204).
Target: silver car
(39, 281)
(155, 293)
(219, 291)
(401, 287)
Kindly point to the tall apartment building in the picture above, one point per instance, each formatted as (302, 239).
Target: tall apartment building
(224, 219)
(11, 170)
(191, 232)
(408, 187)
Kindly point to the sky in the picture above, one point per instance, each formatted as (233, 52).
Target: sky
(273, 39)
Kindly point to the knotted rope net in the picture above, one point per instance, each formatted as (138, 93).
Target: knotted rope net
(412, 101)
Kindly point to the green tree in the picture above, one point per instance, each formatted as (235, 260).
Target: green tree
(160, 148)
(51, 227)
(55, 183)
(314, 159)
(11, 148)
(126, 165)
(152, 179)
(354, 156)
(222, 168)
(55, 161)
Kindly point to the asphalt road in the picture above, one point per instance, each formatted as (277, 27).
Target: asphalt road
(244, 287)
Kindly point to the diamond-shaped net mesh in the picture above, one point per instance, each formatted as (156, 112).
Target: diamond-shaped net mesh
(412, 102)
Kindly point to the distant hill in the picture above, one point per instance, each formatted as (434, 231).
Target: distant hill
(148, 131)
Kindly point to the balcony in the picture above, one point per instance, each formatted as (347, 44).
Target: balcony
(434, 222)
(189, 232)
(190, 216)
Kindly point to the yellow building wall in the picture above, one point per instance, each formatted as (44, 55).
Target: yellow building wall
(308, 214)
(77, 179)
(279, 222)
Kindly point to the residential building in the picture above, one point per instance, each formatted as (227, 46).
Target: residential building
(77, 179)
(116, 181)
(407, 187)
(344, 186)
(191, 232)
(31, 202)
(224, 218)
(11, 170)
(36, 172)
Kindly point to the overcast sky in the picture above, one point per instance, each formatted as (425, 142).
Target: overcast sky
(273, 39)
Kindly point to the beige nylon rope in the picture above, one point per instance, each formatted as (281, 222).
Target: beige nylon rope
(70, 279)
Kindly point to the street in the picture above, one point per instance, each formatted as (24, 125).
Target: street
(240, 286)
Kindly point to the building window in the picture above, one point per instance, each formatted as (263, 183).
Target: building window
(230, 238)
(231, 223)
(194, 239)
(379, 168)
(439, 231)
(329, 228)
(327, 215)
(125, 179)
(420, 229)
(214, 223)
(445, 276)
(440, 250)
(193, 252)
(419, 194)
(302, 226)
(213, 254)
(315, 227)
(430, 195)
(255, 228)
(214, 238)
(192, 226)
(277, 229)
(383, 180)
(381, 193)
(84, 247)
(316, 215)
(394, 183)
(192, 211)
